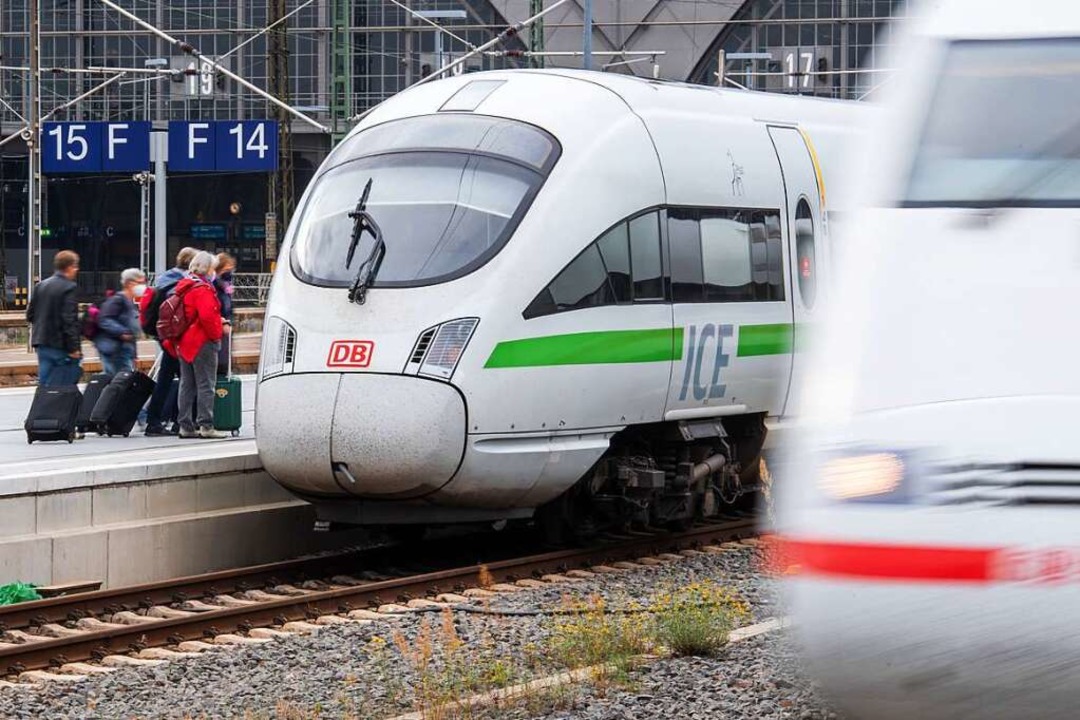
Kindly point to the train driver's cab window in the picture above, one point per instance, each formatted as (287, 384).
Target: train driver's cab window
(622, 266)
(725, 255)
(804, 253)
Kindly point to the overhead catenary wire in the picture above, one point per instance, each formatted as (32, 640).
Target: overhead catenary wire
(60, 108)
(267, 29)
(192, 50)
(492, 26)
(432, 23)
(504, 35)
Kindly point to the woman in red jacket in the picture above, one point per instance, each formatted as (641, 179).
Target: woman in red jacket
(198, 348)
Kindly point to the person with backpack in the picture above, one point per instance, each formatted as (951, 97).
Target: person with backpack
(53, 313)
(161, 406)
(118, 323)
(190, 322)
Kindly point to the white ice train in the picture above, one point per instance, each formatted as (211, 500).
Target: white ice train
(931, 512)
(582, 299)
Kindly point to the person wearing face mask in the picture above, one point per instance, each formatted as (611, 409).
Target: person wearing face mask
(118, 323)
(224, 286)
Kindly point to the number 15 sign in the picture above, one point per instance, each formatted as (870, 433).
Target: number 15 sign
(227, 146)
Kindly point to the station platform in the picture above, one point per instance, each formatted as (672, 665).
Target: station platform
(18, 365)
(138, 509)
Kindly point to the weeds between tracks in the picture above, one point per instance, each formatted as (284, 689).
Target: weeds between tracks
(448, 677)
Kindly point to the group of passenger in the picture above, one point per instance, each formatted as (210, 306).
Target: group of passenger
(200, 353)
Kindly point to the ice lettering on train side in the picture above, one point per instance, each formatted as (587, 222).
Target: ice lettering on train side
(699, 342)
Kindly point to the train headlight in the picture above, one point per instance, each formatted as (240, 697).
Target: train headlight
(279, 347)
(867, 477)
(447, 347)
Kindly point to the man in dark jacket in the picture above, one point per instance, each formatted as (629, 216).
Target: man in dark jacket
(156, 411)
(53, 313)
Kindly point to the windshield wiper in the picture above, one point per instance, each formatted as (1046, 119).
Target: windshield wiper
(363, 222)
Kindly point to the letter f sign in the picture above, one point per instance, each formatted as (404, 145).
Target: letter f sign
(194, 138)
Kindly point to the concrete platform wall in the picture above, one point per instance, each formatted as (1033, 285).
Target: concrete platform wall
(138, 531)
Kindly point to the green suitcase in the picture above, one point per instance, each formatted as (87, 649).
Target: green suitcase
(228, 398)
(228, 405)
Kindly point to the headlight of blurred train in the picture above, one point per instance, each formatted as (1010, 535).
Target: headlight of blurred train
(279, 347)
(865, 477)
(439, 349)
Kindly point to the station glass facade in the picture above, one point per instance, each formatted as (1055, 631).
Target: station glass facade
(378, 51)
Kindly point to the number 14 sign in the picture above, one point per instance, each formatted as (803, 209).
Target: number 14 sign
(227, 146)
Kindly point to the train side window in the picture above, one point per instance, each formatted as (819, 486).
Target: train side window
(581, 284)
(729, 258)
(614, 248)
(645, 257)
(684, 240)
(805, 254)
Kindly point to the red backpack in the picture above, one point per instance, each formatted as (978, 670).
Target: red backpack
(172, 321)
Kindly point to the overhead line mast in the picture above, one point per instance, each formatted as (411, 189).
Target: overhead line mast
(280, 188)
(536, 34)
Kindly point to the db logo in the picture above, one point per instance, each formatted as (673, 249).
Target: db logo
(350, 353)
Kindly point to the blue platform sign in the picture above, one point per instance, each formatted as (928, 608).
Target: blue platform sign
(192, 146)
(125, 146)
(94, 147)
(225, 146)
(247, 145)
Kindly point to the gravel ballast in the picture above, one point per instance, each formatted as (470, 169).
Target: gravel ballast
(359, 671)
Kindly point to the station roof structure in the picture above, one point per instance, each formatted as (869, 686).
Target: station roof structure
(683, 31)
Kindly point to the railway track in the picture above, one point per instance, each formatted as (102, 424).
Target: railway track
(92, 626)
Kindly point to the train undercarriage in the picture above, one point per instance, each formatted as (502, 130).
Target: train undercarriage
(663, 475)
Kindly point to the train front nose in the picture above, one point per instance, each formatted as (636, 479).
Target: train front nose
(367, 435)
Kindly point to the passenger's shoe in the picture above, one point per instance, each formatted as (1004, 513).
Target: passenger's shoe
(155, 430)
(188, 434)
(80, 435)
(212, 434)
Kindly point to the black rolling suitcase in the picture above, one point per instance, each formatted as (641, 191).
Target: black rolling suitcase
(118, 407)
(91, 394)
(53, 413)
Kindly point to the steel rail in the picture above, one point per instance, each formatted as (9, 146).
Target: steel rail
(42, 654)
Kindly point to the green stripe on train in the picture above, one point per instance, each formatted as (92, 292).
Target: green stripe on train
(590, 348)
(757, 340)
(628, 346)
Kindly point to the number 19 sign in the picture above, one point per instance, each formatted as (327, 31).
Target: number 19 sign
(228, 146)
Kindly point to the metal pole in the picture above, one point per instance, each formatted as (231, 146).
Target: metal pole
(33, 141)
(144, 194)
(161, 144)
(191, 50)
(845, 43)
(586, 44)
(438, 51)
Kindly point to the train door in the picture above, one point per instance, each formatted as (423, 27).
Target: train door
(803, 228)
(728, 292)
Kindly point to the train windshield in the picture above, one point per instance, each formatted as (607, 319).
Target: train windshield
(447, 192)
(1002, 129)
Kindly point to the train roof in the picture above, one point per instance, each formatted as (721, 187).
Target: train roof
(641, 96)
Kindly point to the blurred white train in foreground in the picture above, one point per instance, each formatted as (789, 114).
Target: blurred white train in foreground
(932, 507)
(587, 300)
